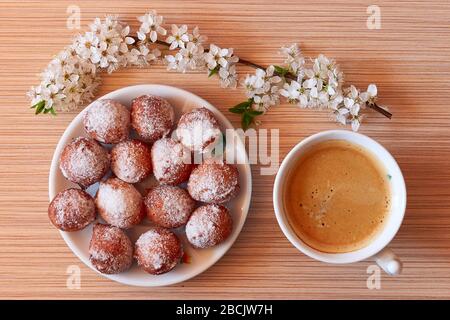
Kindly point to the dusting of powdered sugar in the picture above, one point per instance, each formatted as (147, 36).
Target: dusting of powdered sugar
(119, 203)
(208, 226)
(169, 159)
(158, 249)
(107, 121)
(84, 161)
(131, 161)
(152, 117)
(169, 206)
(213, 182)
(73, 209)
(110, 249)
(198, 130)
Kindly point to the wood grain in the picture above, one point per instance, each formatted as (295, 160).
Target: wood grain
(408, 58)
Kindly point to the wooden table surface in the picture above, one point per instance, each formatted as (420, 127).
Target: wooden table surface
(408, 58)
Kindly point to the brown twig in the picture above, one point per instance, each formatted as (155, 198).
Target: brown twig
(381, 110)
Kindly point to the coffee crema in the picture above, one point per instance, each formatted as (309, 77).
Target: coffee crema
(337, 197)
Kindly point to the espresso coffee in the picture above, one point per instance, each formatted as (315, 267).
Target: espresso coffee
(337, 197)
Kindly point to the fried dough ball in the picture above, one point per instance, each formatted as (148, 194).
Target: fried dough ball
(214, 182)
(107, 121)
(72, 210)
(152, 117)
(110, 249)
(131, 161)
(158, 250)
(172, 163)
(208, 226)
(84, 161)
(169, 206)
(198, 130)
(119, 203)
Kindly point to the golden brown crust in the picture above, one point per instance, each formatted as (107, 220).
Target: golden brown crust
(212, 182)
(198, 130)
(107, 121)
(84, 161)
(110, 249)
(152, 117)
(72, 210)
(208, 226)
(119, 203)
(131, 161)
(169, 206)
(158, 250)
(171, 161)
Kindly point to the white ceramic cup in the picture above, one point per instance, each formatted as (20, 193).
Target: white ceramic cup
(377, 248)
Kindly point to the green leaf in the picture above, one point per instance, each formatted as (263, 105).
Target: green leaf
(52, 111)
(281, 71)
(255, 113)
(247, 120)
(42, 102)
(241, 107)
(213, 71)
(39, 108)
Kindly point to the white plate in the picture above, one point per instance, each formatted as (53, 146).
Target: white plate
(200, 260)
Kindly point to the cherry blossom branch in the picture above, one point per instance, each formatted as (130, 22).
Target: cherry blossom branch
(72, 77)
(372, 106)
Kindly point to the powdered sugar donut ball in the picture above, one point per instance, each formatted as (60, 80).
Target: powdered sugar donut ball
(198, 130)
(152, 117)
(172, 162)
(84, 161)
(72, 210)
(213, 182)
(110, 249)
(158, 250)
(209, 225)
(131, 161)
(119, 203)
(169, 206)
(107, 121)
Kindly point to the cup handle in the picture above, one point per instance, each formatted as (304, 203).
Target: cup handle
(389, 262)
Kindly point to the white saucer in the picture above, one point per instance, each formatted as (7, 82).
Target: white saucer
(200, 260)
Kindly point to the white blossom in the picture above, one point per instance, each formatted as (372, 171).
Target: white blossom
(142, 55)
(105, 55)
(263, 88)
(196, 37)
(71, 77)
(178, 37)
(293, 59)
(346, 109)
(322, 82)
(85, 44)
(150, 27)
(188, 58)
(222, 61)
(100, 26)
(228, 76)
(295, 93)
(106, 45)
(370, 96)
(218, 56)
